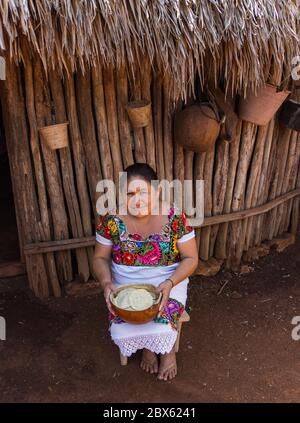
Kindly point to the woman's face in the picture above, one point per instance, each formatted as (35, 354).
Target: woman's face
(141, 196)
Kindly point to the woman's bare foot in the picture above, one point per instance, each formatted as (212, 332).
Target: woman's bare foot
(149, 361)
(168, 366)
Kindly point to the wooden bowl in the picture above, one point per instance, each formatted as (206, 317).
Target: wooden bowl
(137, 317)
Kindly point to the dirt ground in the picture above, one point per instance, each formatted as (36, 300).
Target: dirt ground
(236, 348)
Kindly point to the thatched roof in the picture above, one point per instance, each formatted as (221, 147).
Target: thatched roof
(232, 39)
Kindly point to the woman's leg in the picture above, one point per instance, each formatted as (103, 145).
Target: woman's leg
(168, 366)
(149, 361)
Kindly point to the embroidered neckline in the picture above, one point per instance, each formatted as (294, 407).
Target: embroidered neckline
(150, 236)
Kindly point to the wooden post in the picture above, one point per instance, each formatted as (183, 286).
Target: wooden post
(237, 235)
(124, 124)
(157, 113)
(221, 241)
(68, 177)
(112, 120)
(88, 135)
(39, 174)
(146, 79)
(101, 120)
(80, 162)
(53, 177)
(138, 133)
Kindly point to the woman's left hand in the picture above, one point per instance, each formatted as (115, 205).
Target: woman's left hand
(165, 288)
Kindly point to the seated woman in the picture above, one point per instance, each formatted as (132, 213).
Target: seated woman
(140, 247)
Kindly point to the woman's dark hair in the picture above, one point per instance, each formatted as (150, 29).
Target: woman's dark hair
(143, 170)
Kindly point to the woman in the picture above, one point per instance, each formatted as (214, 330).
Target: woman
(140, 247)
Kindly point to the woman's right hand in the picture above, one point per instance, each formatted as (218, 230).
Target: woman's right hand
(107, 290)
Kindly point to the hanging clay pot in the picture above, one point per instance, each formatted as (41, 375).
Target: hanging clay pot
(139, 113)
(261, 108)
(197, 127)
(55, 136)
(290, 115)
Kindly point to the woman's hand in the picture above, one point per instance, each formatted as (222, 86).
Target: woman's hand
(108, 289)
(165, 288)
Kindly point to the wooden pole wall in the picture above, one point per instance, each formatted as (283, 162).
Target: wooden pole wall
(57, 188)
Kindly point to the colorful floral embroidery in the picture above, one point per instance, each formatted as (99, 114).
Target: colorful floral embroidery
(170, 315)
(159, 249)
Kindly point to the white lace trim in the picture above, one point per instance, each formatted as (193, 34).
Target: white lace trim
(159, 344)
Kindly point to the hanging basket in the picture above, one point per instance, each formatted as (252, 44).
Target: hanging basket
(197, 128)
(55, 136)
(139, 113)
(261, 108)
(290, 115)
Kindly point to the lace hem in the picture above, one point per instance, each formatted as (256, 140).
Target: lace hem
(159, 344)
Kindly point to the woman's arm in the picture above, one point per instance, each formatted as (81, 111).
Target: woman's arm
(102, 270)
(188, 264)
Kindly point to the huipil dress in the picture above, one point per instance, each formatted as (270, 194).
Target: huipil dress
(146, 260)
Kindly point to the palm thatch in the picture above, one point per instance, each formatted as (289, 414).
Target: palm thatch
(238, 41)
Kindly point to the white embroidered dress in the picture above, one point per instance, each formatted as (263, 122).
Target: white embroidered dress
(156, 337)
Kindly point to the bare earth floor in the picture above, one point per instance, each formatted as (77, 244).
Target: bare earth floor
(237, 347)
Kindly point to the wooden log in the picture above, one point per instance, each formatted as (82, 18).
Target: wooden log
(252, 186)
(112, 121)
(283, 208)
(146, 80)
(88, 135)
(296, 204)
(254, 230)
(138, 133)
(101, 121)
(21, 171)
(158, 130)
(167, 131)
(53, 178)
(178, 170)
(12, 269)
(199, 175)
(281, 157)
(64, 244)
(221, 241)
(255, 211)
(39, 174)
(124, 124)
(80, 168)
(292, 184)
(219, 186)
(237, 231)
(265, 182)
(205, 232)
(68, 176)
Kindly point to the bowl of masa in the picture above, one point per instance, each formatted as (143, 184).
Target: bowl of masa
(136, 303)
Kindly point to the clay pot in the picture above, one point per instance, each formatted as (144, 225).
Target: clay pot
(137, 317)
(261, 108)
(139, 113)
(290, 115)
(197, 128)
(55, 136)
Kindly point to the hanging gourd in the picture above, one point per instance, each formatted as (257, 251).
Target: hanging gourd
(197, 127)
